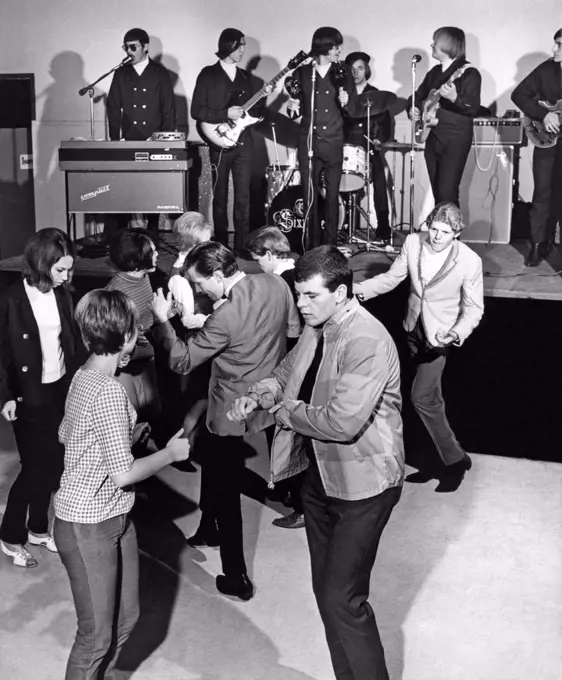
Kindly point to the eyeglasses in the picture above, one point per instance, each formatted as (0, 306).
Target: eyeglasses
(131, 47)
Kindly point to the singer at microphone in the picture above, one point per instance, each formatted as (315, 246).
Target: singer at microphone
(140, 102)
(319, 92)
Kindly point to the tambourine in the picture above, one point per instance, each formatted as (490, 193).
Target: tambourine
(169, 137)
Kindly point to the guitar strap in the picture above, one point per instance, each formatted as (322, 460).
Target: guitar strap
(453, 68)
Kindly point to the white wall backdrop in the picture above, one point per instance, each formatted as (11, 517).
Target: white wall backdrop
(68, 43)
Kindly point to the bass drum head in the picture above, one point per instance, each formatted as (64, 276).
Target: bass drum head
(287, 213)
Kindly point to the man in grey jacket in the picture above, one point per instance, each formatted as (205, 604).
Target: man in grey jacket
(246, 338)
(336, 401)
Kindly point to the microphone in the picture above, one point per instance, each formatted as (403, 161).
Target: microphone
(128, 59)
(416, 58)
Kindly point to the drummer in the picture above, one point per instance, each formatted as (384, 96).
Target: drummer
(381, 125)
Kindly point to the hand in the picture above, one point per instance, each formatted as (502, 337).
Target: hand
(162, 306)
(417, 113)
(235, 112)
(293, 105)
(9, 411)
(343, 97)
(178, 447)
(242, 408)
(448, 92)
(196, 321)
(445, 338)
(551, 122)
(124, 360)
(357, 291)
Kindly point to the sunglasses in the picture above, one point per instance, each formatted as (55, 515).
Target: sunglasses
(130, 47)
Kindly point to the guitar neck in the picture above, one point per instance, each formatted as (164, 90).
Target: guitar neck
(263, 92)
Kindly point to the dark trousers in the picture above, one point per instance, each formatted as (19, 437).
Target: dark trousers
(328, 158)
(380, 194)
(222, 478)
(42, 459)
(343, 538)
(445, 159)
(102, 563)
(427, 394)
(238, 162)
(546, 209)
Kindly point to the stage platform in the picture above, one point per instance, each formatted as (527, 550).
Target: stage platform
(505, 275)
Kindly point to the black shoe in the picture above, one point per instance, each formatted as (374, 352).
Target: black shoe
(545, 249)
(420, 477)
(534, 258)
(293, 521)
(453, 475)
(238, 585)
(204, 538)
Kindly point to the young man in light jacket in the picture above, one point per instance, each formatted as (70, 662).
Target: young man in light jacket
(336, 398)
(445, 305)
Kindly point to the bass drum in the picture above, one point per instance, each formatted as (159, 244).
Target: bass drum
(285, 210)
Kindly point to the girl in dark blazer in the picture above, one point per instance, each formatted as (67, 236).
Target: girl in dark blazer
(38, 355)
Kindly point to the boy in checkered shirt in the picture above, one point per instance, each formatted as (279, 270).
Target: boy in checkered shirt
(93, 530)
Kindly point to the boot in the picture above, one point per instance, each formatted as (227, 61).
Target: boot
(534, 258)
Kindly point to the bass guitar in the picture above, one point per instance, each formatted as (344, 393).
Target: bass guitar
(226, 135)
(428, 118)
(536, 131)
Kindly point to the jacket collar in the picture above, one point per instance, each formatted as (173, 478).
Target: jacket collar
(332, 324)
(449, 263)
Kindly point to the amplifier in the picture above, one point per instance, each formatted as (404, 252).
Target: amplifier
(498, 131)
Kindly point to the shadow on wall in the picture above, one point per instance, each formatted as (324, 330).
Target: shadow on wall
(62, 106)
(172, 64)
(489, 87)
(524, 66)
(402, 74)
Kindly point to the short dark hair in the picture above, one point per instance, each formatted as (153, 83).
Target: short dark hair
(268, 238)
(229, 41)
(136, 34)
(324, 39)
(106, 319)
(330, 263)
(207, 258)
(558, 34)
(448, 213)
(132, 250)
(42, 251)
(455, 41)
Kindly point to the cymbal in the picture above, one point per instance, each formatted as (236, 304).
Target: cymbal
(380, 100)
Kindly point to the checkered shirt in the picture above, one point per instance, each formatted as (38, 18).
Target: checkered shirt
(96, 431)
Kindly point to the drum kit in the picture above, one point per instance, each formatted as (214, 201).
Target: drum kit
(285, 203)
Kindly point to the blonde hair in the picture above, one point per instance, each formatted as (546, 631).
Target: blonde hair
(192, 228)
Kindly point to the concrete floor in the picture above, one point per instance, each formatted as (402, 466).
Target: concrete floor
(466, 587)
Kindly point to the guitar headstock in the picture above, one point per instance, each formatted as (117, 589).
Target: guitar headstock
(297, 60)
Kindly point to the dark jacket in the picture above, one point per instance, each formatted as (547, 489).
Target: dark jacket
(215, 93)
(455, 118)
(21, 359)
(329, 115)
(355, 128)
(138, 106)
(543, 83)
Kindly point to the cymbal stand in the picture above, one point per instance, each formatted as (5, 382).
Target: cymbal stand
(366, 245)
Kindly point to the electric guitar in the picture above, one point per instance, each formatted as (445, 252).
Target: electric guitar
(226, 135)
(537, 133)
(431, 105)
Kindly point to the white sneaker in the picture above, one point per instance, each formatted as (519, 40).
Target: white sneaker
(21, 558)
(44, 541)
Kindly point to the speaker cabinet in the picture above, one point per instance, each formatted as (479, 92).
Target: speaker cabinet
(487, 193)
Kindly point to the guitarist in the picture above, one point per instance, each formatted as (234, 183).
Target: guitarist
(220, 92)
(333, 99)
(449, 142)
(544, 84)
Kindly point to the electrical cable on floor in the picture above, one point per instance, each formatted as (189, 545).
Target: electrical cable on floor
(498, 275)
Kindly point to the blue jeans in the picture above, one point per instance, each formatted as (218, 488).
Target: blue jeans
(102, 563)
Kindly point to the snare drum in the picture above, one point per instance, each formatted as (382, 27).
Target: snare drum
(354, 172)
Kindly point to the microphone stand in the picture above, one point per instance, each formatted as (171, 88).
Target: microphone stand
(90, 90)
(311, 190)
(366, 245)
(412, 145)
